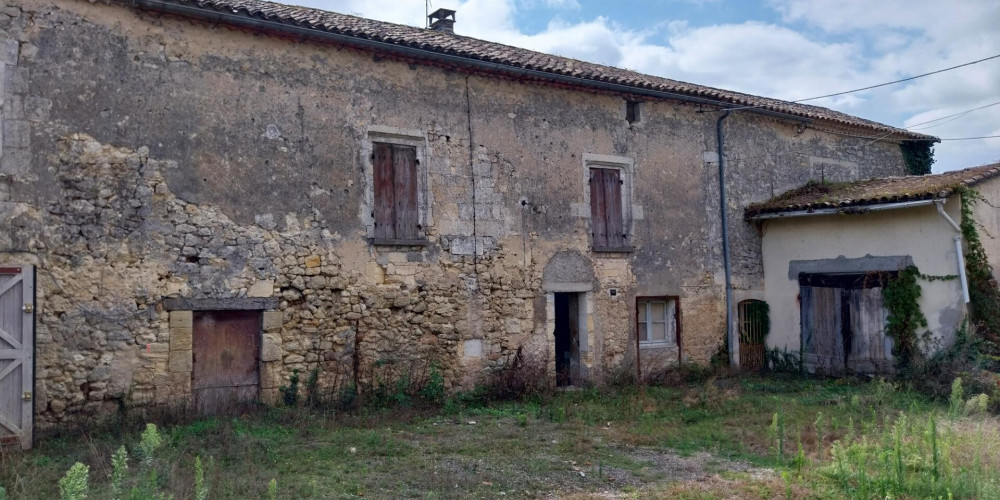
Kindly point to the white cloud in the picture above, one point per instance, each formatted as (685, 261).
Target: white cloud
(820, 47)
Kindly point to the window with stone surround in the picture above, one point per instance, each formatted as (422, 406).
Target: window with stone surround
(396, 207)
(608, 202)
(395, 172)
(657, 321)
(606, 223)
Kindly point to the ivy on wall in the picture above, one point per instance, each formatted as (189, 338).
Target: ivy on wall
(900, 297)
(918, 156)
(984, 295)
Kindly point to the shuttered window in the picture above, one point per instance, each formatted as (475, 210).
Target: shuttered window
(607, 226)
(396, 214)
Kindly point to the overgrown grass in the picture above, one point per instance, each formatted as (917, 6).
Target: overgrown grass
(708, 439)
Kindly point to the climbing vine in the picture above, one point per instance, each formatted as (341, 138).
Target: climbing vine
(900, 296)
(984, 296)
(918, 156)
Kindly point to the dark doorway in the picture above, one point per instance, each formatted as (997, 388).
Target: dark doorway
(567, 332)
(226, 350)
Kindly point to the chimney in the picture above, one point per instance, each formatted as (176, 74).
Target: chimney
(442, 20)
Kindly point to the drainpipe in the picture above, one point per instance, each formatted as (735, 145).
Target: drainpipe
(734, 343)
(958, 248)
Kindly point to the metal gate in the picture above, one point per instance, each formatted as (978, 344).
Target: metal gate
(17, 350)
(754, 325)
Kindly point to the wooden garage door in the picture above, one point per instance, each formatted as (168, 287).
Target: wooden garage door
(226, 351)
(843, 325)
(17, 347)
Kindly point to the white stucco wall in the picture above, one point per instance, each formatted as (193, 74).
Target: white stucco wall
(988, 218)
(918, 232)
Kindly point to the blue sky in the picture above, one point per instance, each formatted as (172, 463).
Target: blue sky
(788, 49)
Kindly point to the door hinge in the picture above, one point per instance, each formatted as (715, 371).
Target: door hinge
(26, 396)
(28, 308)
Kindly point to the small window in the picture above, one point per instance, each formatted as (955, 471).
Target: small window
(607, 224)
(657, 321)
(632, 111)
(395, 170)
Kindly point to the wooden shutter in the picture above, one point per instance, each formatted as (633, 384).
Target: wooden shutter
(598, 217)
(613, 208)
(384, 192)
(606, 208)
(404, 159)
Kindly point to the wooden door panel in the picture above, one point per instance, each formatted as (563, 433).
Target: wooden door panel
(821, 327)
(16, 355)
(613, 208)
(598, 210)
(385, 204)
(868, 342)
(226, 349)
(404, 160)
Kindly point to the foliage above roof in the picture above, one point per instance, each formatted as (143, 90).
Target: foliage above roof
(818, 195)
(503, 56)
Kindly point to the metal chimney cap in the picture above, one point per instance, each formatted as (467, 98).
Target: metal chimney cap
(442, 20)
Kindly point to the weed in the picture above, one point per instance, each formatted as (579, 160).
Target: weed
(200, 488)
(150, 442)
(977, 405)
(74, 485)
(957, 401)
(433, 392)
(272, 489)
(312, 389)
(519, 377)
(290, 393)
(778, 435)
(783, 361)
(119, 470)
(820, 425)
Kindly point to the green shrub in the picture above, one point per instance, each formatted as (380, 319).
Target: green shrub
(433, 391)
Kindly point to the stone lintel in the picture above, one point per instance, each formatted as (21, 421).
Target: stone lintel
(233, 304)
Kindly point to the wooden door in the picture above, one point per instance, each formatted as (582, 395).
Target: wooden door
(822, 339)
(226, 350)
(17, 349)
(868, 340)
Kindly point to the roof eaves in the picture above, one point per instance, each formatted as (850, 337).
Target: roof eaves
(552, 68)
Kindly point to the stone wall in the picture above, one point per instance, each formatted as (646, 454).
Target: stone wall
(164, 159)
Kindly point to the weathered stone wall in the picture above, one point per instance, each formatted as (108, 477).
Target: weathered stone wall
(147, 157)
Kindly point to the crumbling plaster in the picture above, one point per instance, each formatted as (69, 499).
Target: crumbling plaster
(147, 157)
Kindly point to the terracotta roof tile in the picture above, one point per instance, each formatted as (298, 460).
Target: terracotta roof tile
(814, 196)
(472, 48)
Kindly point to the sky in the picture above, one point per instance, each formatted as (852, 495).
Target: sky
(786, 49)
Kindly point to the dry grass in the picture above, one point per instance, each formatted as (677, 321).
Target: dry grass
(707, 439)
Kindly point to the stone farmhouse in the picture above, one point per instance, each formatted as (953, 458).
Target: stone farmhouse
(199, 197)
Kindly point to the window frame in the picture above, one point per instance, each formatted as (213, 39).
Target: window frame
(667, 299)
(629, 211)
(406, 138)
